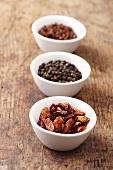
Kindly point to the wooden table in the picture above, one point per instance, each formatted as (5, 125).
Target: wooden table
(20, 149)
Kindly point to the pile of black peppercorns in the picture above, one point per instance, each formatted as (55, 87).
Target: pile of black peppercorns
(59, 71)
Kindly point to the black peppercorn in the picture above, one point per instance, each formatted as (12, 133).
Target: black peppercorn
(59, 71)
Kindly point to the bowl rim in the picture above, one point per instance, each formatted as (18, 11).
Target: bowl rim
(58, 41)
(58, 83)
(60, 134)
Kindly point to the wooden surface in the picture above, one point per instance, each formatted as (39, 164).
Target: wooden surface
(20, 149)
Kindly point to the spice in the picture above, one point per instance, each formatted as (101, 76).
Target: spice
(59, 71)
(62, 118)
(58, 32)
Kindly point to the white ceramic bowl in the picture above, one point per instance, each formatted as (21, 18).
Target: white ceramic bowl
(47, 44)
(50, 88)
(57, 141)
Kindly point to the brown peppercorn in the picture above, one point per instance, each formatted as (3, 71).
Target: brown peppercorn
(58, 32)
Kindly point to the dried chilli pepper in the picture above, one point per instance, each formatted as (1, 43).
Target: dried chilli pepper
(62, 118)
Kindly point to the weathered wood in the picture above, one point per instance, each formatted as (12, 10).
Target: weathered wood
(20, 149)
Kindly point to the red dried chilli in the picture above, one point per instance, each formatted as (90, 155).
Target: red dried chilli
(58, 32)
(62, 118)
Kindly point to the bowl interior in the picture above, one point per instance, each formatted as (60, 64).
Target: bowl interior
(79, 62)
(75, 103)
(76, 25)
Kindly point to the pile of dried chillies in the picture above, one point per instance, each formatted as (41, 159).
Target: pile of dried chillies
(62, 118)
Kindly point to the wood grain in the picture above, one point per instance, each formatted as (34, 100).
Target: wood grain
(20, 149)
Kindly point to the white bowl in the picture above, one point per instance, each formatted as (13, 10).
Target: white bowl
(58, 141)
(50, 88)
(47, 44)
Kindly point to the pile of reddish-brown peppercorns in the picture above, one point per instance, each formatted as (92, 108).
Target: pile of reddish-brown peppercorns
(57, 32)
(59, 71)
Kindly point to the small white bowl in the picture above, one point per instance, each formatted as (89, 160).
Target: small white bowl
(57, 141)
(50, 88)
(47, 44)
